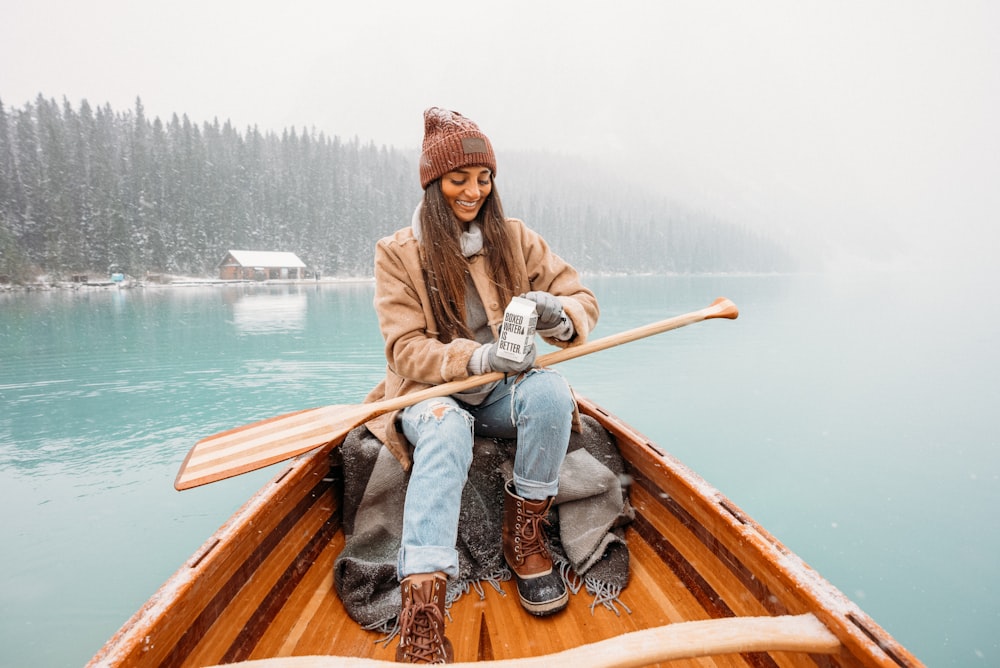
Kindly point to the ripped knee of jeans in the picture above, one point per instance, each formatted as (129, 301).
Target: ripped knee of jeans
(440, 410)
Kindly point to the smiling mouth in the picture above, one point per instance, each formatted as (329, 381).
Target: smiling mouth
(468, 205)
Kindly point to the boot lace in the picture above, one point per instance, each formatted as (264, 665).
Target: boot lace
(532, 535)
(420, 633)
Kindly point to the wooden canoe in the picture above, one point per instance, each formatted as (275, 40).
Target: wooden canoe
(706, 581)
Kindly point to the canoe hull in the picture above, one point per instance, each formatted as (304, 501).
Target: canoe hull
(262, 585)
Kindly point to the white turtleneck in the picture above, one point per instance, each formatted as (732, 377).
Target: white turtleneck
(471, 240)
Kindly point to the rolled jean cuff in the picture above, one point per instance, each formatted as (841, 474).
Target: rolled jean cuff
(427, 559)
(534, 490)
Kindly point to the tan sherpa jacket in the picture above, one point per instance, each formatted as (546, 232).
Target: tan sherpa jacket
(415, 357)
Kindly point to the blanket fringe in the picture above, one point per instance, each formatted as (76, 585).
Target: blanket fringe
(460, 589)
(607, 595)
(389, 628)
(604, 593)
(572, 581)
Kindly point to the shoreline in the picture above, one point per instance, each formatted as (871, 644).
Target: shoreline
(44, 285)
(175, 282)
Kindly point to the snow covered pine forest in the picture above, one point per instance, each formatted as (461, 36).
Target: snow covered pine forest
(82, 189)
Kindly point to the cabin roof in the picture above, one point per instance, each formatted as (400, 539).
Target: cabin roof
(248, 258)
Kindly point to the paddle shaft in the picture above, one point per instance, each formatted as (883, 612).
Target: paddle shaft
(720, 308)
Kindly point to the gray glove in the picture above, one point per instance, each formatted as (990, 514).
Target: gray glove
(496, 363)
(548, 308)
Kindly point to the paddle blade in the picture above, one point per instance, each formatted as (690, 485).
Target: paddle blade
(263, 443)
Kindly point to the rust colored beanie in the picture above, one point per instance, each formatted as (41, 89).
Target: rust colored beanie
(451, 141)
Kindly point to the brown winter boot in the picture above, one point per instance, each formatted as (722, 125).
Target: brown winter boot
(421, 622)
(539, 585)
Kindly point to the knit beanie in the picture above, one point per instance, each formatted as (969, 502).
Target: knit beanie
(451, 141)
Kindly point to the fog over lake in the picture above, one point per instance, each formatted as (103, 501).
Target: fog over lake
(865, 129)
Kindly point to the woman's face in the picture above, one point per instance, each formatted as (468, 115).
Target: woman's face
(465, 189)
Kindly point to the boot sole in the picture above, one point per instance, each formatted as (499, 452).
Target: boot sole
(545, 608)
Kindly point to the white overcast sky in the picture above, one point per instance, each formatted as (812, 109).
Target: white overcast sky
(867, 125)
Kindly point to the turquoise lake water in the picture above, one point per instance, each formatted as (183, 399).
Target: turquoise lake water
(854, 417)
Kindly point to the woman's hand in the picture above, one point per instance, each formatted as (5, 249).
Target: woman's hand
(548, 308)
(494, 362)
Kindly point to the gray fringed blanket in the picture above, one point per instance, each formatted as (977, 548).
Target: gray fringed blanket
(586, 532)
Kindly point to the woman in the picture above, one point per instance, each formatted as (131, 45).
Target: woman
(441, 287)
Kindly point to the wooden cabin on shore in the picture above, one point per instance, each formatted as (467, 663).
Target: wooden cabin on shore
(261, 266)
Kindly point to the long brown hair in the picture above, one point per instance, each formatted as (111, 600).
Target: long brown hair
(445, 268)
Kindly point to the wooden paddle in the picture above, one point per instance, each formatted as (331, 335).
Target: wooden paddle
(263, 443)
(683, 640)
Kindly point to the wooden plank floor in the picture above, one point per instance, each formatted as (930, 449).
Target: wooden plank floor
(314, 622)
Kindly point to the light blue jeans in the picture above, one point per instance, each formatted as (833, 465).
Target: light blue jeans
(537, 409)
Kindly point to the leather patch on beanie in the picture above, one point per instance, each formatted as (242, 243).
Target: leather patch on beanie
(474, 145)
